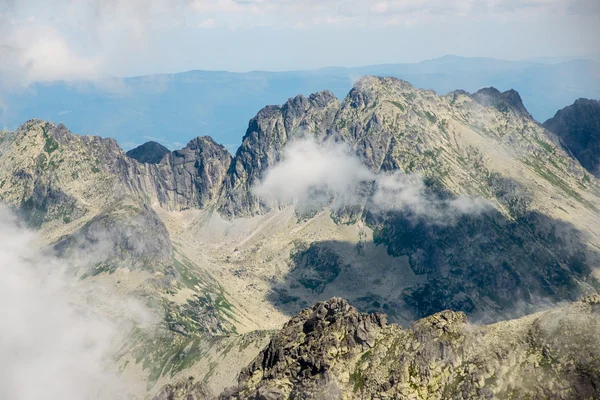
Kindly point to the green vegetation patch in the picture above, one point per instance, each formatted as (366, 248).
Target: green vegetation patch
(358, 380)
(397, 104)
(431, 117)
(546, 146)
(50, 145)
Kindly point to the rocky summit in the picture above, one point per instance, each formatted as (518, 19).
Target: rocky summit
(149, 152)
(332, 351)
(424, 212)
(578, 127)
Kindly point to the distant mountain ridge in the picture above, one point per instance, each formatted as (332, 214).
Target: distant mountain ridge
(171, 108)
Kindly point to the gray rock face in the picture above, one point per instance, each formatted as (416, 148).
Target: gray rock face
(368, 136)
(578, 127)
(502, 101)
(265, 138)
(332, 351)
(193, 176)
(309, 349)
(149, 152)
(125, 233)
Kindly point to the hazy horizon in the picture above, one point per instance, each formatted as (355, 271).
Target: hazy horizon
(87, 40)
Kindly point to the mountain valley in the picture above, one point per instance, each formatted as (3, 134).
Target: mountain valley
(431, 209)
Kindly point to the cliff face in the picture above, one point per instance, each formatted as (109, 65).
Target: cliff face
(192, 177)
(265, 138)
(578, 127)
(55, 175)
(332, 351)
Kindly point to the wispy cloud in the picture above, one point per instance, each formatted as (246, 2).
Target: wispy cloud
(315, 174)
(56, 342)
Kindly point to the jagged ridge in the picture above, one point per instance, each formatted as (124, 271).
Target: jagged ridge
(333, 351)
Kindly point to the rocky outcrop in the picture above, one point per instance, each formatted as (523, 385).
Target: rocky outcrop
(502, 101)
(149, 152)
(56, 177)
(309, 350)
(192, 177)
(265, 138)
(124, 234)
(332, 351)
(578, 127)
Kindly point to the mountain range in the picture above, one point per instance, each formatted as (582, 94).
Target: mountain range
(399, 200)
(171, 108)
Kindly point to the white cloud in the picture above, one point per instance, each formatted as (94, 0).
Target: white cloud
(307, 164)
(320, 173)
(36, 52)
(54, 343)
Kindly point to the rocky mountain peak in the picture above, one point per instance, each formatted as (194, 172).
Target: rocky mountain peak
(578, 127)
(264, 140)
(322, 99)
(332, 351)
(502, 101)
(149, 152)
(309, 349)
(195, 174)
(368, 88)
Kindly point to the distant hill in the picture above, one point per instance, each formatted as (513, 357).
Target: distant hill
(171, 108)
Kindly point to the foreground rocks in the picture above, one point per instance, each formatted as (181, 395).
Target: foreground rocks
(331, 351)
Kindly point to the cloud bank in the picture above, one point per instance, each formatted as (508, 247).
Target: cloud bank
(54, 342)
(314, 174)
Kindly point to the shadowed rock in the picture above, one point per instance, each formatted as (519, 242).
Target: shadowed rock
(502, 101)
(578, 127)
(149, 152)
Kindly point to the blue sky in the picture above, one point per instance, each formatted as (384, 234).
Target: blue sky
(89, 39)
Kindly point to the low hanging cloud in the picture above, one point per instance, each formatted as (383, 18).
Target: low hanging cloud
(55, 343)
(329, 173)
